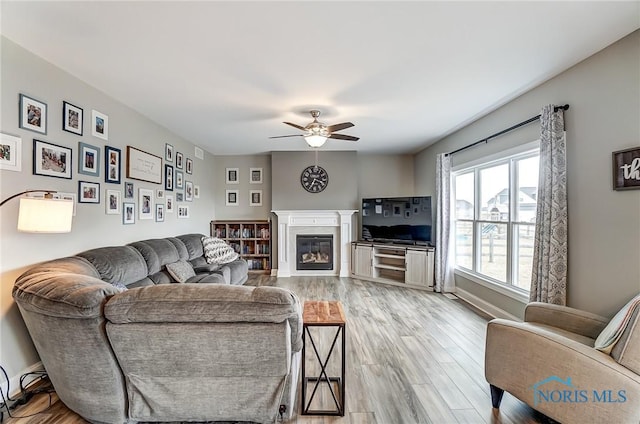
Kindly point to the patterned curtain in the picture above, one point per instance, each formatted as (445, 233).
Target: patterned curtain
(549, 277)
(444, 266)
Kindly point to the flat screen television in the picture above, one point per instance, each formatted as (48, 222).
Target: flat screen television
(397, 220)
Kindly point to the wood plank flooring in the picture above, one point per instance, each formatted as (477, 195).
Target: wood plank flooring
(412, 357)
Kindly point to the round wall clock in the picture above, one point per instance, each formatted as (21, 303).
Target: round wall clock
(314, 179)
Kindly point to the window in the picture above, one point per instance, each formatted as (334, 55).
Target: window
(495, 213)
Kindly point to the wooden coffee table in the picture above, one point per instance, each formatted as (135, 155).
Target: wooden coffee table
(323, 313)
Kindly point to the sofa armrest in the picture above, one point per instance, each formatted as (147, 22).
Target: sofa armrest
(196, 303)
(566, 318)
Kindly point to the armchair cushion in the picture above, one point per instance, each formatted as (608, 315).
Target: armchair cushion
(566, 318)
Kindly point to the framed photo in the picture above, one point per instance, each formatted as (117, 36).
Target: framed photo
(179, 179)
(179, 197)
(232, 176)
(231, 197)
(88, 192)
(143, 166)
(196, 191)
(72, 118)
(112, 202)
(99, 125)
(189, 166)
(89, 161)
(145, 204)
(10, 152)
(33, 114)
(188, 191)
(51, 160)
(159, 212)
(178, 160)
(168, 152)
(169, 203)
(626, 169)
(112, 166)
(255, 197)
(255, 175)
(159, 194)
(168, 177)
(128, 213)
(183, 211)
(67, 196)
(128, 190)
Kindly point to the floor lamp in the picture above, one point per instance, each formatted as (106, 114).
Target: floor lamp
(43, 214)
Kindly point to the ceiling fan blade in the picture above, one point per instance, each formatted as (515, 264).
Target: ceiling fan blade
(339, 127)
(283, 136)
(344, 137)
(295, 126)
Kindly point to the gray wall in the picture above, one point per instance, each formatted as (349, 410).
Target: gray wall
(604, 225)
(22, 72)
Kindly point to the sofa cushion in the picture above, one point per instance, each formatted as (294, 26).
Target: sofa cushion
(217, 251)
(193, 244)
(181, 271)
(121, 264)
(157, 253)
(608, 338)
(183, 253)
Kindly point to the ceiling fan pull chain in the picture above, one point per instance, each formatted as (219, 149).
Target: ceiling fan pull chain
(315, 167)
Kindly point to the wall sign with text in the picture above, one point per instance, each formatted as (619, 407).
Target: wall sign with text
(626, 169)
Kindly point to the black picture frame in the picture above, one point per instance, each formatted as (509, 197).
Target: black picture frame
(189, 166)
(72, 118)
(52, 160)
(112, 165)
(88, 192)
(168, 177)
(626, 169)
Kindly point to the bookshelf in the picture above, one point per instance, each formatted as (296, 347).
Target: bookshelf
(250, 239)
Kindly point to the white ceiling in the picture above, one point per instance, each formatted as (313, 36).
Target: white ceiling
(224, 75)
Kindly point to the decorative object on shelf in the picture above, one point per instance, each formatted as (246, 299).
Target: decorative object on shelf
(168, 152)
(169, 200)
(10, 152)
(231, 198)
(128, 190)
(179, 160)
(44, 214)
(145, 204)
(183, 211)
(314, 179)
(89, 160)
(128, 213)
(196, 191)
(255, 198)
(188, 191)
(143, 166)
(159, 212)
(72, 118)
(316, 133)
(112, 203)
(51, 160)
(626, 169)
(99, 125)
(179, 183)
(88, 192)
(231, 176)
(112, 165)
(255, 175)
(189, 166)
(168, 177)
(33, 114)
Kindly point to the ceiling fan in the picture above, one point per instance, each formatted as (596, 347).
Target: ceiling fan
(316, 133)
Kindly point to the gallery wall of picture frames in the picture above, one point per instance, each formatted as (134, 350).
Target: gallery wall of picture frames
(93, 160)
(233, 176)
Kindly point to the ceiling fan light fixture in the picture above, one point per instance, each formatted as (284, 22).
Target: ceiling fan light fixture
(315, 140)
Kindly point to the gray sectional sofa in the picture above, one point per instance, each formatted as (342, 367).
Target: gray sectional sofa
(156, 351)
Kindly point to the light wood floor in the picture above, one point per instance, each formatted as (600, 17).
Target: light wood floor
(412, 357)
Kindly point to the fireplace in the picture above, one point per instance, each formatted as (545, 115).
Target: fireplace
(314, 252)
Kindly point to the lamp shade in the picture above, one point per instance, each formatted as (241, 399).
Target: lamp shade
(39, 215)
(315, 140)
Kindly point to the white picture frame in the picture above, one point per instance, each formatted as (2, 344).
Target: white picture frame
(188, 191)
(183, 211)
(232, 175)
(146, 208)
(112, 201)
(169, 203)
(159, 212)
(99, 125)
(10, 152)
(255, 175)
(255, 197)
(232, 197)
(128, 213)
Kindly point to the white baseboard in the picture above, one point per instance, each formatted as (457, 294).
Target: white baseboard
(274, 272)
(15, 380)
(484, 306)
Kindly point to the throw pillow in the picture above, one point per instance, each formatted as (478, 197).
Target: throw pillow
(608, 338)
(181, 271)
(217, 251)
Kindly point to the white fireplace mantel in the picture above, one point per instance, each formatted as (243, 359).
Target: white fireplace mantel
(291, 220)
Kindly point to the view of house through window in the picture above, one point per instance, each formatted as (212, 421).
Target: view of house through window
(495, 214)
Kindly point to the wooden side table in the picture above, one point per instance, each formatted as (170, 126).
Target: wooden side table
(323, 314)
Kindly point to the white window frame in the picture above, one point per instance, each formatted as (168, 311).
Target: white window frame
(511, 157)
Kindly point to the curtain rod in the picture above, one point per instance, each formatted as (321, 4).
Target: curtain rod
(511, 128)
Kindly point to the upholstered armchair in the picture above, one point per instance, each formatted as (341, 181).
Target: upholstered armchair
(549, 362)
